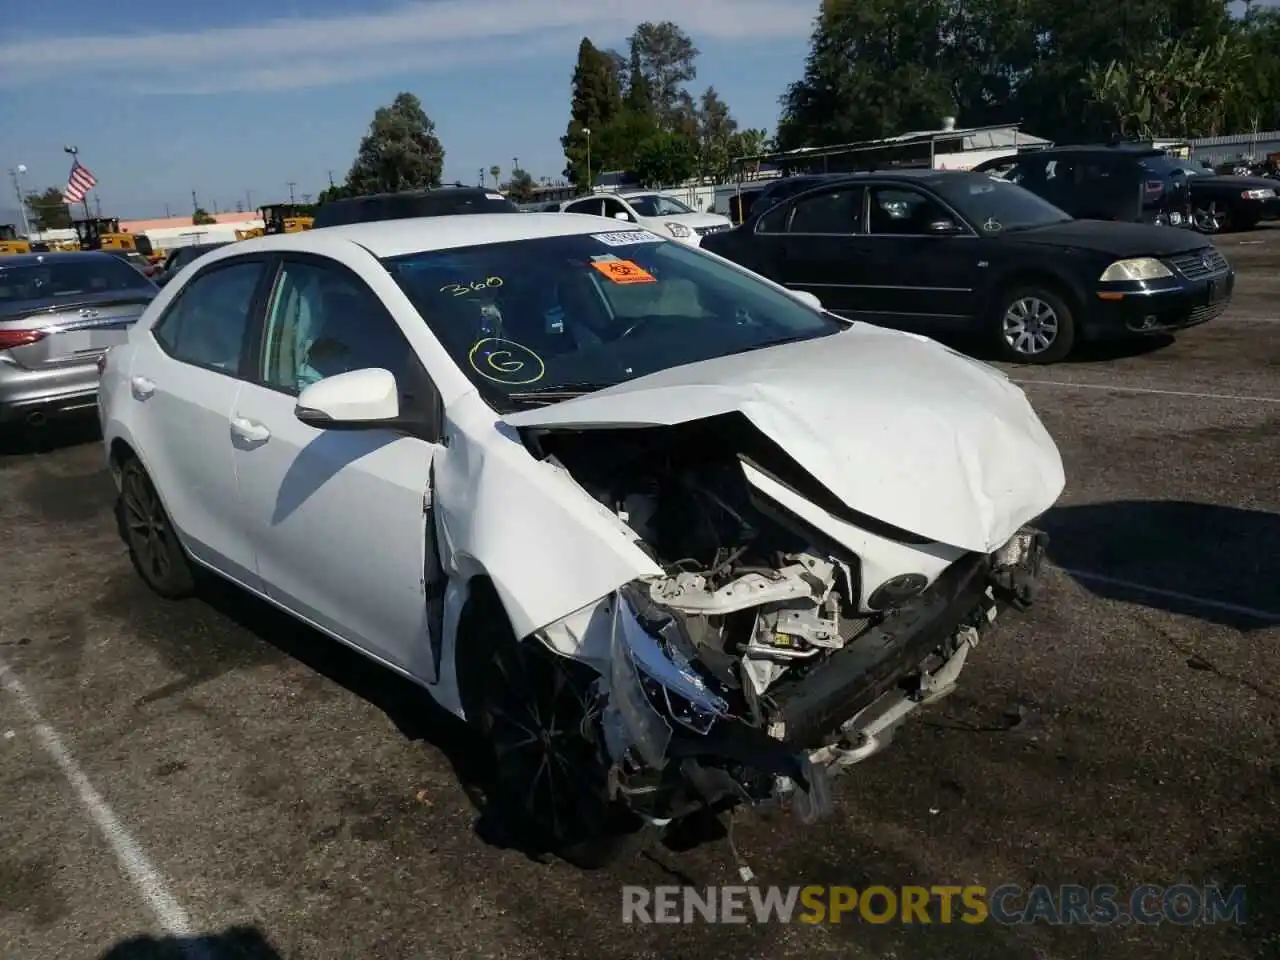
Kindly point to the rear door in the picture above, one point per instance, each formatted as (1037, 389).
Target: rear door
(825, 251)
(183, 383)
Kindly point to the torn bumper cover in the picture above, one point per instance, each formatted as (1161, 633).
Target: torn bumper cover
(681, 739)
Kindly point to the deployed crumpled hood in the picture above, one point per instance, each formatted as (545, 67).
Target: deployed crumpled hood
(897, 426)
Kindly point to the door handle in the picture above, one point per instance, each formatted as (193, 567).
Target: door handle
(250, 430)
(141, 388)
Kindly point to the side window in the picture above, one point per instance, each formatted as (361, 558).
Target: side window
(775, 219)
(592, 206)
(896, 211)
(322, 321)
(613, 206)
(830, 212)
(206, 325)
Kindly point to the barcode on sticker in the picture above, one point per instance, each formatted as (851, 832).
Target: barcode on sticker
(626, 238)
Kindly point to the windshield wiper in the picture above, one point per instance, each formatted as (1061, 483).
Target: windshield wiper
(559, 391)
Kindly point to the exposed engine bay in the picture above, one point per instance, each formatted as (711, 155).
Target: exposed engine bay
(760, 596)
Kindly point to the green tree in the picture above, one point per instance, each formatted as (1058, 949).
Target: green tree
(665, 159)
(495, 171)
(597, 100)
(49, 210)
(202, 217)
(521, 186)
(714, 131)
(665, 58)
(400, 151)
(333, 192)
(872, 70)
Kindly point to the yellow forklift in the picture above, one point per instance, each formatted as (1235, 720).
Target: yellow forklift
(104, 233)
(286, 218)
(10, 242)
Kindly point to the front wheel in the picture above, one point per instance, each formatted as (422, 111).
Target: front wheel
(537, 712)
(1033, 325)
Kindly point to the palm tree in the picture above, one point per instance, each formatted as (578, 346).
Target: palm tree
(495, 171)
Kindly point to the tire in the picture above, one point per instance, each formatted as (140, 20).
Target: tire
(551, 775)
(1036, 308)
(154, 548)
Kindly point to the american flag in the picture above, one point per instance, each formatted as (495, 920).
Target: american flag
(79, 183)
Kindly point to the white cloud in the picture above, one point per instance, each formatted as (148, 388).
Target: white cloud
(303, 52)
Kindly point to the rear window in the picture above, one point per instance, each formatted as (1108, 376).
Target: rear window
(56, 279)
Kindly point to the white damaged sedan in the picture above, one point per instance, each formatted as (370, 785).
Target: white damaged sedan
(669, 535)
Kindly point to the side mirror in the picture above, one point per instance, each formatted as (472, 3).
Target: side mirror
(804, 296)
(622, 215)
(358, 399)
(943, 227)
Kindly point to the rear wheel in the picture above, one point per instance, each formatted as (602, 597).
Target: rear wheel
(537, 712)
(1033, 325)
(153, 543)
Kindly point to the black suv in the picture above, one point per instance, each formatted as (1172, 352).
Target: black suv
(1123, 182)
(441, 202)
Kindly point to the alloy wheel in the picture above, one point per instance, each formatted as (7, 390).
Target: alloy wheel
(1030, 326)
(150, 535)
(539, 711)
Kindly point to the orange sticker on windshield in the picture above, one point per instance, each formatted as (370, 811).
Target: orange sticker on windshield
(624, 271)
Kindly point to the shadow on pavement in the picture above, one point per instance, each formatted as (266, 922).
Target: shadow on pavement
(238, 943)
(409, 707)
(1219, 564)
(21, 441)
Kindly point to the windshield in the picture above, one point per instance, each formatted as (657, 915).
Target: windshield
(58, 279)
(994, 205)
(655, 205)
(579, 313)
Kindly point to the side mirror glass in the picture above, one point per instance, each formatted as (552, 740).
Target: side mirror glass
(353, 400)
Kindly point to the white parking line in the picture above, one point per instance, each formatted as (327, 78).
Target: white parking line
(1149, 390)
(1253, 613)
(145, 878)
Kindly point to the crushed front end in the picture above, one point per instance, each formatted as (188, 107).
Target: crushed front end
(788, 636)
(690, 725)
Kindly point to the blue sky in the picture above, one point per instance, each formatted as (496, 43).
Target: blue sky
(227, 100)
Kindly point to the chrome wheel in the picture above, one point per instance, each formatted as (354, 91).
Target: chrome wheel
(539, 712)
(1030, 326)
(150, 536)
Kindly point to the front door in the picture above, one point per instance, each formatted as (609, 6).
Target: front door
(340, 519)
(923, 273)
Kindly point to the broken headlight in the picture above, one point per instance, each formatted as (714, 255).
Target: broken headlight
(654, 647)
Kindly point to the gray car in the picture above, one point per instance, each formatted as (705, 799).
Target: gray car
(59, 313)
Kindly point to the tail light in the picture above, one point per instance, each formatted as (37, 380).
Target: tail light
(20, 338)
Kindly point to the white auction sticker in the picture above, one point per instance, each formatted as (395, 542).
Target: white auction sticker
(626, 238)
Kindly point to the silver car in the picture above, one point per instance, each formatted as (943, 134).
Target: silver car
(59, 313)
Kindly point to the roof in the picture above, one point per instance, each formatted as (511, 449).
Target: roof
(393, 238)
(69, 256)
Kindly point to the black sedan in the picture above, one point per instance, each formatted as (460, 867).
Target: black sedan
(1232, 202)
(969, 253)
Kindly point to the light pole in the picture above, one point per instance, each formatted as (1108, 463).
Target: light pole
(16, 175)
(587, 131)
(75, 158)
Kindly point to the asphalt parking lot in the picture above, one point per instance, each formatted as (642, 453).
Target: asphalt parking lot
(210, 770)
